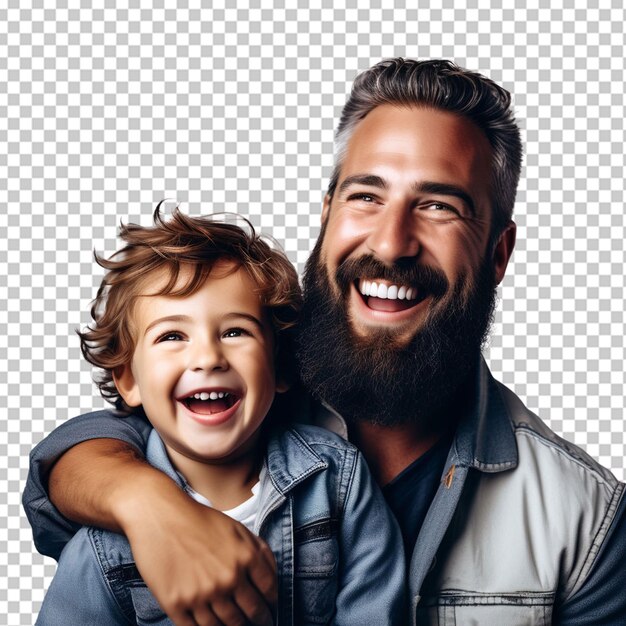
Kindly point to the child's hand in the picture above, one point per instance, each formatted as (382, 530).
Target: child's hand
(204, 568)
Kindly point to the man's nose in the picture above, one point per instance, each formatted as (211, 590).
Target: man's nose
(208, 355)
(394, 235)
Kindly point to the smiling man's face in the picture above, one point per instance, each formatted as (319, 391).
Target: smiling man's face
(414, 189)
(400, 289)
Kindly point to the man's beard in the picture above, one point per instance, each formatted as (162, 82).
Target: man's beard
(375, 378)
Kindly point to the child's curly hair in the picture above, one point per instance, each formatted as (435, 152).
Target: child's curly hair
(170, 245)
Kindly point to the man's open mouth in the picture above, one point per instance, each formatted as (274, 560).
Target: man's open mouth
(210, 402)
(384, 296)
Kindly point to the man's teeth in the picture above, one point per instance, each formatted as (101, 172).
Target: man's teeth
(388, 292)
(213, 395)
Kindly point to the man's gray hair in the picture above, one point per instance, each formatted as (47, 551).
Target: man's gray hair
(440, 84)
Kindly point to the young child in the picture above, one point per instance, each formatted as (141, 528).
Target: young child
(192, 325)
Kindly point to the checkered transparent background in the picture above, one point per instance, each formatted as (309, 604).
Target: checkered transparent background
(105, 111)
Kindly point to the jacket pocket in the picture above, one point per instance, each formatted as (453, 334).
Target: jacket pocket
(125, 580)
(467, 609)
(316, 572)
(147, 609)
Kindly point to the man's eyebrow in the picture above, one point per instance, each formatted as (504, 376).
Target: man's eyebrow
(369, 180)
(166, 319)
(446, 189)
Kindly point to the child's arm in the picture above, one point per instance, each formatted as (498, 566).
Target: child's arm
(202, 557)
(372, 564)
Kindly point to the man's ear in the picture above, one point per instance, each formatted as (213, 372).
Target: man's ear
(326, 208)
(284, 361)
(503, 250)
(282, 384)
(126, 384)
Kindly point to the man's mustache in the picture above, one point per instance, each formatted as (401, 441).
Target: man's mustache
(403, 272)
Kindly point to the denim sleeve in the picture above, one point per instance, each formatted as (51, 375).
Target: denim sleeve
(601, 601)
(79, 593)
(51, 531)
(372, 570)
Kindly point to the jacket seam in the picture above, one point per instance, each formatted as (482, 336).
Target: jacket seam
(93, 540)
(525, 429)
(603, 483)
(598, 540)
(346, 481)
(454, 597)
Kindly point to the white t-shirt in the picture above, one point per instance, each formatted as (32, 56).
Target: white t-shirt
(245, 513)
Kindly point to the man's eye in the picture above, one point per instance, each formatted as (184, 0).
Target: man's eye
(363, 197)
(170, 336)
(439, 206)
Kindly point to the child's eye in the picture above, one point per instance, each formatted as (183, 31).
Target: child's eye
(235, 332)
(170, 336)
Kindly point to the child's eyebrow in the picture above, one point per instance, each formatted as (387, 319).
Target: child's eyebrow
(247, 316)
(185, 318)
(168, 318)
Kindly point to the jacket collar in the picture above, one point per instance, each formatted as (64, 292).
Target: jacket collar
(290, 459)
(156, 455)
(485, 439)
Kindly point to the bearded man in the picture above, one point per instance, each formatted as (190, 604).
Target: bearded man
(503, 522)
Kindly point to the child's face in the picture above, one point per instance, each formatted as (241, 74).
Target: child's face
(203, 367)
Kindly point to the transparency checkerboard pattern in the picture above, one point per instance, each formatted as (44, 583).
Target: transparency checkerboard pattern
(106, 111)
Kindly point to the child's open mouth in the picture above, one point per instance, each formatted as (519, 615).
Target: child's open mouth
(210, 402)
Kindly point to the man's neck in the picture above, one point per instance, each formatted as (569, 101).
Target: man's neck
(389, 450)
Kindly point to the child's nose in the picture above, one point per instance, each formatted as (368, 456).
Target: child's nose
(208, 356)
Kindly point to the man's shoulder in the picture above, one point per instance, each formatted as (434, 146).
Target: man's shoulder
(104, 423)
(537, 441)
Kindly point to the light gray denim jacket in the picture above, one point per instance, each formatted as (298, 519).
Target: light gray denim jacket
(515, 528)
(338, 549)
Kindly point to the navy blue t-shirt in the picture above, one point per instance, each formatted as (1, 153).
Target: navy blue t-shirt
(411, 492)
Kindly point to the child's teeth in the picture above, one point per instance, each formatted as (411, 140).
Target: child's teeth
(213, 395)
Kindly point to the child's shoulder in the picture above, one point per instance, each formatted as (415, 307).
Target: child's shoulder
(306, 440)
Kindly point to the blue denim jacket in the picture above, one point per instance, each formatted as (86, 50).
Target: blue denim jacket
(338, 549)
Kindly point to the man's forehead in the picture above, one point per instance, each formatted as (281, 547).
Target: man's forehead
(420, 142)
(394, 126)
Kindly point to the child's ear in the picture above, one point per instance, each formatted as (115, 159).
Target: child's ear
(126, 384)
